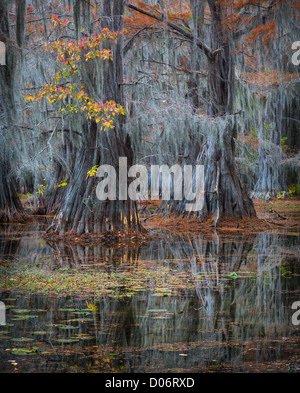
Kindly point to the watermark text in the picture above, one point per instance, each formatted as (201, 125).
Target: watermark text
(173, 182)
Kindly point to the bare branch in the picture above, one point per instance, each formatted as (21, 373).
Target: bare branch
(162, 18)
(182, 69)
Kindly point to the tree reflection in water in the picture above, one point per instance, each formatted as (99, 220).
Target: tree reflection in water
(237, 311)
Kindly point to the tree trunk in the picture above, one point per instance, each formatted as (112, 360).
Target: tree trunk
(116, 215)
(80, 211)
(11, 209)
(271, 179)
(272, 175)
(55, 194)
(225, 194)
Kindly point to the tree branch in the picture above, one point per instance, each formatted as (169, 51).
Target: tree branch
(130, 42)
(162, 18)
(182, 69)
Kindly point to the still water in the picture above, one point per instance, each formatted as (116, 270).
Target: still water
(207, 304)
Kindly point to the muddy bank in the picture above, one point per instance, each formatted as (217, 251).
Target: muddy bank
(277, 216)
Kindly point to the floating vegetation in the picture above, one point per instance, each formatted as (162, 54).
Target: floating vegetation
(25, 351)
(23, 317)
(67, 327)
(67, 340)
(81, 320)
(41, 333)
(84, 313)
(22, 339)
(163, 281)
(149, 313)
(120, 284)
(84, 337)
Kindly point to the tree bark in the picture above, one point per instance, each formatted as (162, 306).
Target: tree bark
(11, 209)
(80, 211)
(116, 215)
(229, 198)
(225, 195)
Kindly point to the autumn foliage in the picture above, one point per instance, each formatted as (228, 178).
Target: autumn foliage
(64, 86)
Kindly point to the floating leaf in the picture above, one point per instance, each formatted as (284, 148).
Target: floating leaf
(82, 337)
(22, 351)
(67, 327)
(67, 340)
(22, 339)
(24, 317)
(81, 320)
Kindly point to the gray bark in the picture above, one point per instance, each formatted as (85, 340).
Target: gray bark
(11, 209)
(80, 211)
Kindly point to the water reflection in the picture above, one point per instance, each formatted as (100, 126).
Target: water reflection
(234, 315)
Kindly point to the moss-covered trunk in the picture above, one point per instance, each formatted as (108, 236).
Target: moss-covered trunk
(11, 209)
(225, 194)
(117, 142)
(80, 211)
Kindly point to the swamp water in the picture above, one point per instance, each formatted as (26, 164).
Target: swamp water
(178, 304)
